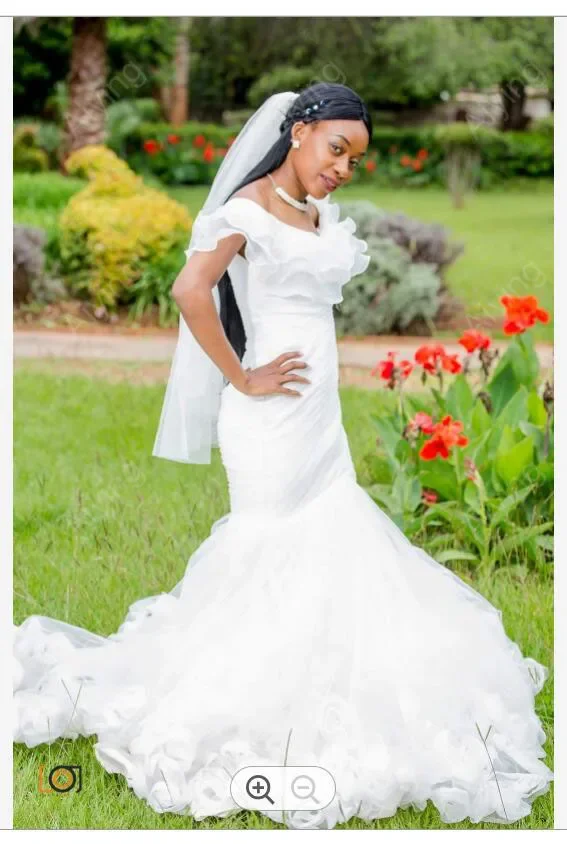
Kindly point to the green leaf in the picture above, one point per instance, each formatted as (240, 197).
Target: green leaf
(502, 387)
(511, 463)
(447, 556)
(417, 404)
(440, 476)
(515, 410)
(480, 419)
(472, 497)
(459, 399)
(403, 450)
(536, 409)
(537, 435)
(381, 493)
(546, 542)
(441, 539)
(406, 493)
(458, 519)
(522, 534)
(508, 504)
(529, 358)
(439, 398)
(389, 438)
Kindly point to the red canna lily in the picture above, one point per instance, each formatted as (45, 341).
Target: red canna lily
(434, 358)
(152, 147)
(405, 161)
(446, 435)
(199, 141)
(370, 166)
(416, 165)
(521, 313)
(473, 340)
(173, 139)
(391, 370)
(451, 363)
(422, 155)
(426, 356)
(421, 422)
(209, 153)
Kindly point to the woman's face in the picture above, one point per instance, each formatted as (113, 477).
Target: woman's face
(329, 153)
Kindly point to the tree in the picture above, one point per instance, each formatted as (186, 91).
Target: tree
(522, 56)
(84, 123)
(179, 107)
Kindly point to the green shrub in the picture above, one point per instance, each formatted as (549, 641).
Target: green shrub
(410, 155)
(403, 285)
(416, 155)
(187, 155)
(28, 158)
(115, 227)
(32, 137)
(123, 118)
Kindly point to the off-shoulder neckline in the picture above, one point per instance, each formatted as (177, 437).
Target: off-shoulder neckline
(316, 233)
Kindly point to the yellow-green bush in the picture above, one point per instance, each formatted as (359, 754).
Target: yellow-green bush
(115, 227)
(28, 157)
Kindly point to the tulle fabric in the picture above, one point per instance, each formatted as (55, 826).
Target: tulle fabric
(306, 621)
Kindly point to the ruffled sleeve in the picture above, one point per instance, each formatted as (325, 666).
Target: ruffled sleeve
(237, 216)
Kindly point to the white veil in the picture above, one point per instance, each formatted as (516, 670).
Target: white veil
(188, 425)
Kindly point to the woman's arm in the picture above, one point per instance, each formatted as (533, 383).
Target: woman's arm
(192, 291)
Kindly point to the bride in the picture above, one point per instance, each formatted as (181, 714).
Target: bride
(307, 630)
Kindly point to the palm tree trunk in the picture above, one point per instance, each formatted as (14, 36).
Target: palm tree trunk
(179, 103)
(87, 79)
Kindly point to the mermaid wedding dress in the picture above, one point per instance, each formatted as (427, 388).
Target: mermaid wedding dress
(306, 623)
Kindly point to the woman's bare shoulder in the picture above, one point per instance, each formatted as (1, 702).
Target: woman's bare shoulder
(256, 191)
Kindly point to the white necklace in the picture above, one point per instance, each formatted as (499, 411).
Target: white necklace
(301, 205)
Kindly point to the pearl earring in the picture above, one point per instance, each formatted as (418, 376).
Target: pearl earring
(295, 144)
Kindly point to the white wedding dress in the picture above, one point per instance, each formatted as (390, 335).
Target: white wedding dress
(306, 621)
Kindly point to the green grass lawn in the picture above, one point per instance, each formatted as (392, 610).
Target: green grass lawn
(100, 523)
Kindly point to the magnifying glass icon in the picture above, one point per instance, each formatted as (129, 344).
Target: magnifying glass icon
(303, 787)
(258, 787)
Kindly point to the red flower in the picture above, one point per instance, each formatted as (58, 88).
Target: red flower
(427, 356)
(416, 165)
(405, 161)
(392, 371)
(422, 155)
(473, 340)
(521, 313)
(451, 363)
(151, 147)
(434, 358)
(429, 496)
(421, 422)
(209, 153)
(199, 141)
(446, 435)
(173, 139)
(393, 150)
(370, 166)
